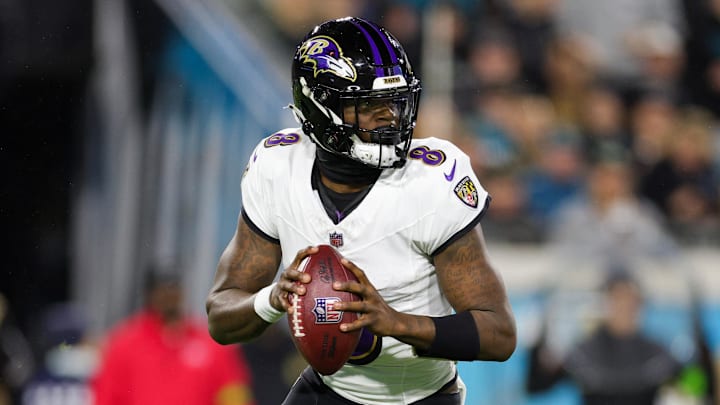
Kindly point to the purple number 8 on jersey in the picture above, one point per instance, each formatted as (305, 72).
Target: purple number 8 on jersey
(428, 156)
(281, 139)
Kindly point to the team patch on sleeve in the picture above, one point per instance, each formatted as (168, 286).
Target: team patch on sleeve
(466, 191)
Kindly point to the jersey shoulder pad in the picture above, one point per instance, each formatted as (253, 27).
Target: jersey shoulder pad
(440, 165)
(284, 137)
(435, 155)
(274, 151)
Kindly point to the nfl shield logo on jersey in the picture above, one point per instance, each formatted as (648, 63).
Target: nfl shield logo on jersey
(336, 239)
(325, 312)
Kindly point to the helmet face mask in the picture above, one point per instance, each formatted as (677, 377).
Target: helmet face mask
(345, 72)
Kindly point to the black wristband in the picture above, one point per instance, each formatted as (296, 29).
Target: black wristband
(456, 338)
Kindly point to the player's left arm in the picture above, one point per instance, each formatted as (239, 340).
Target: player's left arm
(483, 327)
(473, 287)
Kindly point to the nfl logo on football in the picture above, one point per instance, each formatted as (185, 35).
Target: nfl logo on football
(336, 239)
(324, 310)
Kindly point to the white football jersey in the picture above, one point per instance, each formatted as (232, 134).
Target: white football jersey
(408, 215)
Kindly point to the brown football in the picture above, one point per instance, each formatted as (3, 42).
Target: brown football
(315, 325)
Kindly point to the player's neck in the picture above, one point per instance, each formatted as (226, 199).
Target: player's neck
(342, 174)
(341, 187)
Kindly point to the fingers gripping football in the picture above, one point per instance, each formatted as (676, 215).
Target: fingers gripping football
(374, 313)
(292, 280)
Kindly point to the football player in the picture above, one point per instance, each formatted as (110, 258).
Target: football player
(405, 213)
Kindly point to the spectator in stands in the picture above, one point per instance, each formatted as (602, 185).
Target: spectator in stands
(531, 25)
(162, 356)
(535, 129)
(615, 364)
(555, 177)
(508, 140)
(570, 70)
(491, 123)
(602, 123)
(658, 47)
(607, 27)
(404, 20)
(684, 184)
(492, 62)
(608, 220)
(507, 222)
(653, 115)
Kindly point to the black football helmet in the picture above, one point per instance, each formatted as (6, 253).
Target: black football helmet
(351, 62)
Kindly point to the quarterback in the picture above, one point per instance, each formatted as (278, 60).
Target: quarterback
(404, 212)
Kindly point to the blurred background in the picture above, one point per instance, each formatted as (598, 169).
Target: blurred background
(125, 126)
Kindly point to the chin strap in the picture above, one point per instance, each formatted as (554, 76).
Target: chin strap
(374, 154)
(297, 113)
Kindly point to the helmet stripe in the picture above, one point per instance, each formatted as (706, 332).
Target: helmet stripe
(388, 51)
(375, 51)
(390, 48)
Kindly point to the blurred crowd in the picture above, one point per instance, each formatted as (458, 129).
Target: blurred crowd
(557, 100)
(594, 125)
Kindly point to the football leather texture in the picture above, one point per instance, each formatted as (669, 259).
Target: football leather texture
(315, 324)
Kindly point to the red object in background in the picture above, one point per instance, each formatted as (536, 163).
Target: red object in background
(147, 363)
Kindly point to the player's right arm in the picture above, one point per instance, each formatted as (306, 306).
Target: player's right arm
(248, 264)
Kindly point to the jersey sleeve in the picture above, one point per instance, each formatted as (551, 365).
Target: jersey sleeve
(459, 203)
(257, 206)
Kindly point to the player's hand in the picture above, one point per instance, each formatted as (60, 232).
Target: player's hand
(288, 278)
(374, 313)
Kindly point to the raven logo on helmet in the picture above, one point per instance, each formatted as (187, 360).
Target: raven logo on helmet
(325, 55)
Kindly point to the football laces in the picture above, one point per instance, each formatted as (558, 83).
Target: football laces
(297, 326)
